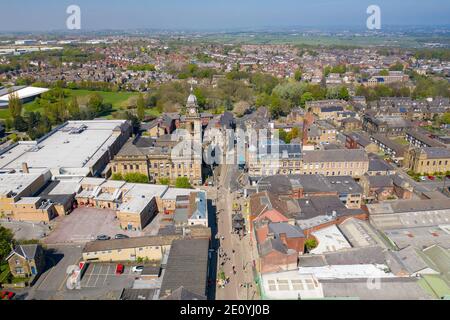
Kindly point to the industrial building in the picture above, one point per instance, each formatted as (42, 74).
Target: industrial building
(74, 149)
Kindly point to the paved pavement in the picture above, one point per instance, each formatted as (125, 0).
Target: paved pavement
(84, 225)
(241, 259)
(26, 230)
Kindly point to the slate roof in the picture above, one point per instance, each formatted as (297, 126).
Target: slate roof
(376, 164)
(187, 266)
(272, 245)
(436, 153)
(337, 155)
(380, 181)
(360, 138)
(286, 228)
(27, 251)
(183, 294)
(137, 294)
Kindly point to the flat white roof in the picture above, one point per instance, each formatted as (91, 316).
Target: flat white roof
(25, 93)
(65, 187)
(172, 193)
(64, 149)
(354, 271)
(290, 285)
(329, 239)
(16, 182)
(146, 190)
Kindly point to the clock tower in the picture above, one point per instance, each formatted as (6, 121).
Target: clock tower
(192, 117)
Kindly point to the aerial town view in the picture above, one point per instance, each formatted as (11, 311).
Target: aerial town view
(242, 150)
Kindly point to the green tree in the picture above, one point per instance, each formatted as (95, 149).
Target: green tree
(135, 177)
(15, 105)
(140, 107)
(283, 135)
(74, 108)
(298, 75)
(6, 240)
(343, 93)
(293, 134)
(384, 72)
(310, 244)
(183, 182)
(445, 119)
(396, 67)
(164, 181)
(117, 176)
(307, 96)
(135, 123)
(20, 124)
(95, 103)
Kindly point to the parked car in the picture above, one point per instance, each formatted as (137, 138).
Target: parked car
(6, 295)
(121, 236)
(431, 177)
(422, 178)
(103, 237)
(137, 269)
(119, 269)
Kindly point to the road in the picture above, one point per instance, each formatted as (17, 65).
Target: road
(241, 259)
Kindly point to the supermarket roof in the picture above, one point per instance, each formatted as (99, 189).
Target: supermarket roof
(75, 146)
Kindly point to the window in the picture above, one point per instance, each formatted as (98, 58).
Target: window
(19, 270)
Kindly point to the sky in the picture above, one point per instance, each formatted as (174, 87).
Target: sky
(47, 15)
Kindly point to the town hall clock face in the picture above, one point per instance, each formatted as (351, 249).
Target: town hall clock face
(192, 110)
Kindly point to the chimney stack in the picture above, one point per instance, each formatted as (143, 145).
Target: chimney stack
(25, 168)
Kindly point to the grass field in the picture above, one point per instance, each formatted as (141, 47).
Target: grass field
(119, 101)
(402, 141)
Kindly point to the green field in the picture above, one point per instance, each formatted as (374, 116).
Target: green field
(119, 101)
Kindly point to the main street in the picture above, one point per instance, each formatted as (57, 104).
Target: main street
(241, 285)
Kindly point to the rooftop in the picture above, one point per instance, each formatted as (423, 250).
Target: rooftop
(115, 244)
(187, 267)
(337, 155)
(75, 146)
